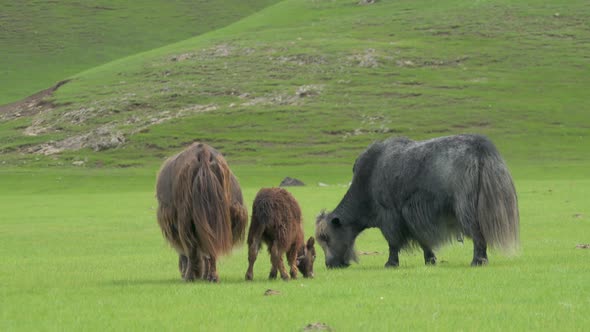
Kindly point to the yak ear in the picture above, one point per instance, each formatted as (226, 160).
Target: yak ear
(321, 216)
(336, 222)
(310, 242)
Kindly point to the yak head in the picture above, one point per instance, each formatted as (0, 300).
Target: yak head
(306, 258)
(336, 239)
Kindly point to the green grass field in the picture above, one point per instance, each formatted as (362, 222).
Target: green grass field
(299, 88)
(82, 250)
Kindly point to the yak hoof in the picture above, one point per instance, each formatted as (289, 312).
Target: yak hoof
(430, 261)
(391, 264)
(189, 276)
(249, 277)
(479, 261)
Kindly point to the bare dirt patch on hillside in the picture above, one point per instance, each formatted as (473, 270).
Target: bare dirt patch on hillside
(31, 105)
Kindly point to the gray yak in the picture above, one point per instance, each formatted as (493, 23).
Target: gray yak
(425, 193)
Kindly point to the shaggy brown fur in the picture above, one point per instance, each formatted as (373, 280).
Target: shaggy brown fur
(276, 220)
(200, 209)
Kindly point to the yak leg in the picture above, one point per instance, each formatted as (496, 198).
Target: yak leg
(212, 275)
(394, 240)
(206, 267)
(273, 272)
(254, 237)
(182, 265)
(480, 256)
(202, 268)
(273, 267)
(393, 260)
(419, 212)
(193, 268)
(292, 260)
(276, 259)
(429, 256)
(252, 254)
(394, 248)
(189, 274)
(465, 211)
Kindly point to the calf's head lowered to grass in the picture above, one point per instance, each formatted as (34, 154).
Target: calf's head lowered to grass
(306, 258)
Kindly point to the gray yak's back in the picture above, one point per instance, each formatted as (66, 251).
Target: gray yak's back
(441, 166)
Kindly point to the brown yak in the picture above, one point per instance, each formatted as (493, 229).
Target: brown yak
(276, 221)
(200, 209)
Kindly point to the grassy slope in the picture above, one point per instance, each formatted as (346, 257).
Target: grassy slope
(43, 42)
(511, 70)
(81, 250)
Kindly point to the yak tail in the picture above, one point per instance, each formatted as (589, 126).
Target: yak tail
(497, 208)
(238, 212)
(239, 221)
(210, 198)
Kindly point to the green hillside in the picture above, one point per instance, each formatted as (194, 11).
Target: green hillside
(316, 81)
(42, 42)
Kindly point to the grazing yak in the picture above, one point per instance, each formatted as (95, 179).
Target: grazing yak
(425, 193)
(200, 209)
(276, 221)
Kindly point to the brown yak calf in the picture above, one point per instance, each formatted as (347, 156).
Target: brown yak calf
(276, 220)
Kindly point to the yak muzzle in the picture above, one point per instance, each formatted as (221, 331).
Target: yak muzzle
(338, 265)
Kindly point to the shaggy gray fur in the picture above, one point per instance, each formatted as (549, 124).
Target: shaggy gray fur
(425, 193)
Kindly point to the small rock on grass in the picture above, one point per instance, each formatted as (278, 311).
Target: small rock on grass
(290, 182)
(270, 292)
(317, 327)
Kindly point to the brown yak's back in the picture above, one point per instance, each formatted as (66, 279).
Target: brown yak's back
(277, 213)
(194, 196)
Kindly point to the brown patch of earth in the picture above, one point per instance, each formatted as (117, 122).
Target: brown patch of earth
(31, 105)
(99, 139)
(474, 124)
(369, 253)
